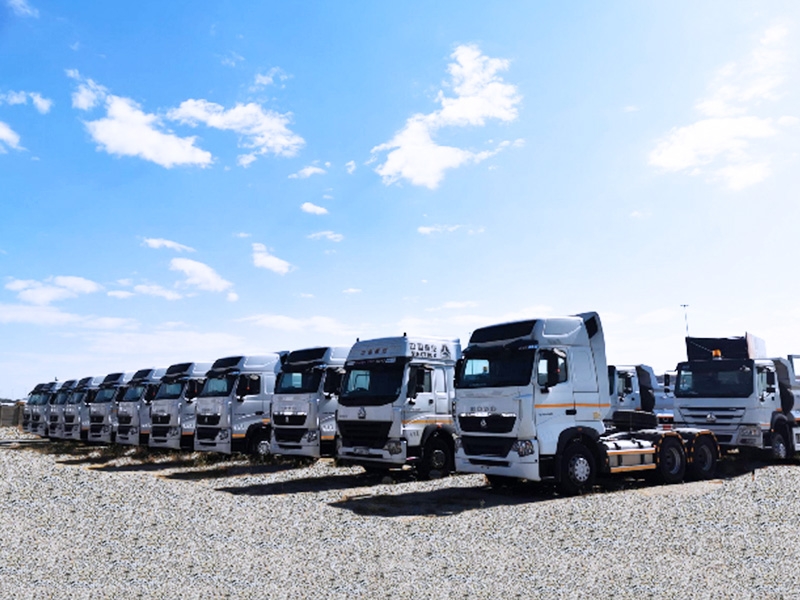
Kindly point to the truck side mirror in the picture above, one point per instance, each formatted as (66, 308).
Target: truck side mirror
(770, 382)
(628, 387)
(553, 371)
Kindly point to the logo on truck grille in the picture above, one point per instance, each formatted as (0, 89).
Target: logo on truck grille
(362, 413)
(710, 418)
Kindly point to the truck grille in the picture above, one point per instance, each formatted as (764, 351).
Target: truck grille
(206, 433)
(292, 436)
(489, 424)
(125, 419)
(360, 434)
(291, 420)
(96, 419)
(54, 418)
(123, 429)
(486, 446)
(159, 432)
(160, 419)
(95, 429)
(69, 419)
(208, 419)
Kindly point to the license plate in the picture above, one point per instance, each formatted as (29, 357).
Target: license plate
(361, 451)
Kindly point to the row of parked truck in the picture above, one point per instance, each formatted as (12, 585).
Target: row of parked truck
(531, 400)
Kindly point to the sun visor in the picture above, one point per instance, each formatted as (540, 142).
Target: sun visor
(740, 347)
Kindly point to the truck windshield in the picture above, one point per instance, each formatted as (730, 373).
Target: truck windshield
(715, 379)
(170, 391)
(486, 368)
(61, 398)
(105, 395)
(298, 382)
(133, 393)
(218, 386)
(371, 384)
(77, 397)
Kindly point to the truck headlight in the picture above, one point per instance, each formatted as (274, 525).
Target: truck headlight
(174, 431)
(223, 434)
(312, 436)
(394, 447)
(523, 447)
(749, 432)
(458, 444)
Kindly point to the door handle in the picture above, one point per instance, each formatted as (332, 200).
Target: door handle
(572, 411)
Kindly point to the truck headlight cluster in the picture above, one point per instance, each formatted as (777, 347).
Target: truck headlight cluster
(458, 444)
(312, 436)
(394, 447)
(749, 432)
(523, 447)
(173, 431)
(223, 434)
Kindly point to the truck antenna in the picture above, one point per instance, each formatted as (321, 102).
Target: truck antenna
(686, 318)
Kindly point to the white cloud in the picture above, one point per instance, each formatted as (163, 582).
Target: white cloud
(351, 291)
(21, 8)
(52, 289)
(318, 324)
(723, 144)
(232, 297)
(122, 294)
(35, 315)
(630, 108)
(313, 209)
(162, 243)
(232, 59)
(265, 260)
(242, 235)
(128, 131)
(480, 94)
(199, 275)
(427, 230)
(41, 103)
(262, 131)
(326, 235)
(156, 290)
(8, 137)
(270, 76)
(351, 167)
(307, 172)
(88, 94)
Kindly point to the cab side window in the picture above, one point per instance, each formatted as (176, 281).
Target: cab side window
(551, 368)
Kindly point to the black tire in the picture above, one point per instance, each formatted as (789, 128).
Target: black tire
(577, 470)
(259, 445)
(704, 458)
(437, 458)
(779, 445)
(670, 460)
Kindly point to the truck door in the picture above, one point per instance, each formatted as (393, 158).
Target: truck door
(420, 390)
(440, 395)
(554, 399)
(249, 402)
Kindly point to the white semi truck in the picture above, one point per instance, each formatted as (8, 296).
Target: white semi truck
(173, 409)
(103, 408)
(76, 410)
(233, 408)
(637, 387)
(533, 402)
(729, 386)
(59, 401)
(133, 412)
(34, 398)
(305, 402)
(394, 405)
(40, 410)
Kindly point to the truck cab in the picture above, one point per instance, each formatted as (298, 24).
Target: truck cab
(76, 410)
(305, 402)
(394, 405)
(103, 408)
(33, 399)
(534, 401)
(729, 386)
(233, 408)
(40, 411)
(637, 387)
(173, 409)
(56, 429)
(133, 412)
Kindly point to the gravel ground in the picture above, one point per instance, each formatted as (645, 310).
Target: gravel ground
(93, 522)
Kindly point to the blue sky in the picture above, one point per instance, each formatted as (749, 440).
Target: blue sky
(191, 180)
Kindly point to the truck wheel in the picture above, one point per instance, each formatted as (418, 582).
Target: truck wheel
(259, 443)
(779, 449)
(577, 472)
(704, 458)
(437, 458)
(671, 461)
